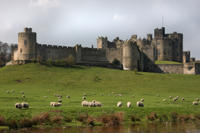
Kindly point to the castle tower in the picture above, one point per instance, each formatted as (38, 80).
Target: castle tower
(131, 56)
(26, 45)
(102, 42)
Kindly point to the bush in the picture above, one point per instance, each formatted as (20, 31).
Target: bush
(25, 122)
(2, 121)
(12, 124)
(116, 62)
(57, 119)
(42, 118)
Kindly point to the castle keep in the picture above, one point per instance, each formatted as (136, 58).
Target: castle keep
(135, 53)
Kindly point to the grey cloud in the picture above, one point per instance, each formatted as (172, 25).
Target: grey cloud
(81, 21)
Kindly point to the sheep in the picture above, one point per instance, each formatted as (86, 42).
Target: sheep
(142, 100)
(140, 104)
(197, 99)
(183, 99)
(128, 104)
(23, 96)
(195, 103)
(55, 104)
(175, 99)
(18, 105)
(119, 104)
(25, 105)
(164, 100)
(68, 97)
(8, 91)
(22, 92)
(170, 97)
(98, 104)
(84, 103)
(60, 100)
(84, 98)
(45, 96)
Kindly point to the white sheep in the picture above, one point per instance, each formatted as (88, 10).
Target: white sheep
(183, 99)
(197, 99)
(164, 100)
(195, 103)
(18, 105)
(119, 104)
(140, 104)
(25, 105)
(128, 104)
(67, 96)
(84, 98)
(84, 103)
(55, 104)
(98, 104)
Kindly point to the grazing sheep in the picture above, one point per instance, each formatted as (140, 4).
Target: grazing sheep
(84, 98)
(25, 105)
(183, 99)
(60, 100)
(18, 105)
(84, 103)
(128, 104)
(119, 95)
(8, 91)
(140, 104)
(142, 100)
(164, 100)
(55, 104)
(22, 92)
(23, 96)
(197, 99)
(98, 104)
(68, 97)
(119, 104)
(195, 103)
(175, 99)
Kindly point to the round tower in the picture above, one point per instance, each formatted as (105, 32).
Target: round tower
(26, 45)
(131, 56)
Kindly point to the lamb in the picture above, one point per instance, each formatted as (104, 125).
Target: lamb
(175, 99)
(140, 104)
(55, 104)
(25, 105)
(195, 103)
(128, 104)
(18, 105)
(119, 104)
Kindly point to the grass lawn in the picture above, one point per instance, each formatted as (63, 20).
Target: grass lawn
(167, 62)
(101, 84)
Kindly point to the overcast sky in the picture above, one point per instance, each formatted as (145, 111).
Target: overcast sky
(70, 22)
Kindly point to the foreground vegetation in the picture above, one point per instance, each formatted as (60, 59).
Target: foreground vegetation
(41, 83)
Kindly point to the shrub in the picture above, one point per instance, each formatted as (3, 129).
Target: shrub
(67, 119)
(153, 116)
(82, 118)
(42, 118)
(25, 122)
(2, 121)
(116, 62)
(134, 118)
(12, 124)
(174, 116)
(57, 119)
(70, 60)
(112, 119)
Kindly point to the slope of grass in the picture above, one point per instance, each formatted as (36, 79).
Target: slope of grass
(101, 84)
(167, 62)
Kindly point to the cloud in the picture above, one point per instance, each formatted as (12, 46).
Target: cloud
(117, 17)
(45, 3)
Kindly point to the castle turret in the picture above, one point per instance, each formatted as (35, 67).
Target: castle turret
(131, 56)
(102, 42)
(26, 45)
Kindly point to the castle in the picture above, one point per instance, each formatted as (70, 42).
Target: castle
(133, 54)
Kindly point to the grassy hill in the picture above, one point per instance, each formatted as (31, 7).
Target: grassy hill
(101, 84)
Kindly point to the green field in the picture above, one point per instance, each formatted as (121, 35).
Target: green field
(101, 84)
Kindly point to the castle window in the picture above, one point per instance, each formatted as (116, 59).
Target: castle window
(25, 42)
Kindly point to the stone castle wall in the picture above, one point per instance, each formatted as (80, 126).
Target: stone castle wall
(52, 52)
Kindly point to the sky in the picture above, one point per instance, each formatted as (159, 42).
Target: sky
(70, 22)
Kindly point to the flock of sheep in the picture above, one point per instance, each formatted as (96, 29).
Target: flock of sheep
(94, 103)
